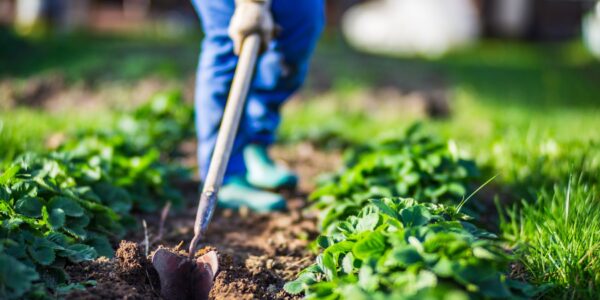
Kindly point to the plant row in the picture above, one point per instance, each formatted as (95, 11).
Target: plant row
(377, 242)
(417, 165)
(67, 205)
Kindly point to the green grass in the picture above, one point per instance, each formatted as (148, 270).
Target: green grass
(559, 237)
(24, 130)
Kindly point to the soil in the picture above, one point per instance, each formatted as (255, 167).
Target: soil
(126, 276)
(258, 253)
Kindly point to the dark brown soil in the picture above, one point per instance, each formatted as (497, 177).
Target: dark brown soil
(258, 253)
(126, 276)
(131, 262)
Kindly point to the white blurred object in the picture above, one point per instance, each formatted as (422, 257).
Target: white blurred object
(426, 27)
(591, 31)
(28, 13)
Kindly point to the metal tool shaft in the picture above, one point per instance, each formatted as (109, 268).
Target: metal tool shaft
(227, 133)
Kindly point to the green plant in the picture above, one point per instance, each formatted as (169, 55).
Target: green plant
(46, 219)
(375, 245)
(401, 249)
(417, 166)
(65, 206)
(174, 124)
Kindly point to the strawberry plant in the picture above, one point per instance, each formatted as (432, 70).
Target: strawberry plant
(377, 245)
(401, 249)
(417, 166)
(66, 206)
(144, 132)
(108, 165)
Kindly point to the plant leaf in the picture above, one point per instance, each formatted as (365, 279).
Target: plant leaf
(370, 246)
(42, 252)
(415, 216)
(29, 206)
(69, 206)
(16, 277)
(80, 252)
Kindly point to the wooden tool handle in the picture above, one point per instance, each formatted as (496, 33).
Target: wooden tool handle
(233, 112)
(227, 133)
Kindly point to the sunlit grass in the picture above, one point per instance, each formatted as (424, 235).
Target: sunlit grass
(23, 130)
(559, 239)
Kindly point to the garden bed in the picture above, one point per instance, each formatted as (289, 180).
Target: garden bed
(258, 253)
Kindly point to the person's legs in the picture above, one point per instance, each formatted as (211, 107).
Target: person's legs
(215, 75)
(280, 72)
(282, 69)
(213, 80)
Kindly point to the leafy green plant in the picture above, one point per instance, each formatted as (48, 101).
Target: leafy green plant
(129, 178)
(417, 166)
(65, 206)
(46, 220)
(401, 249)
(144, 132)
(375, 245)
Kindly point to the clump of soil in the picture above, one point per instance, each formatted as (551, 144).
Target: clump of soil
(126, 276)
(131, 263)
(179, 249)
(204, 251)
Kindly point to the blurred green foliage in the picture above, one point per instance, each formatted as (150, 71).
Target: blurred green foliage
(23, 129)
(415, 165)
(90, 58)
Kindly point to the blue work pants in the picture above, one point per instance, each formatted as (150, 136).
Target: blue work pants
(280, 71)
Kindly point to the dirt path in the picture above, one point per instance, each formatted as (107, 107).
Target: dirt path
(258, 253)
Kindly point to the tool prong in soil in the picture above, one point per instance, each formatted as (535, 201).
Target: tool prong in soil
(163, 218)
(193, 246)
(146, 240)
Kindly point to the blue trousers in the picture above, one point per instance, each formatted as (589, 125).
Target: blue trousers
(280, 71)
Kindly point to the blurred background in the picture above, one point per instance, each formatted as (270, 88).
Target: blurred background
(483, 72)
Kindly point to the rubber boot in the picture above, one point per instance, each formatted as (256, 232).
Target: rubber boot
(237, 192)
(264, 173)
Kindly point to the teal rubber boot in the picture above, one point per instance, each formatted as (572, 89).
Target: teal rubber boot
(263, 172)
(237, 192)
